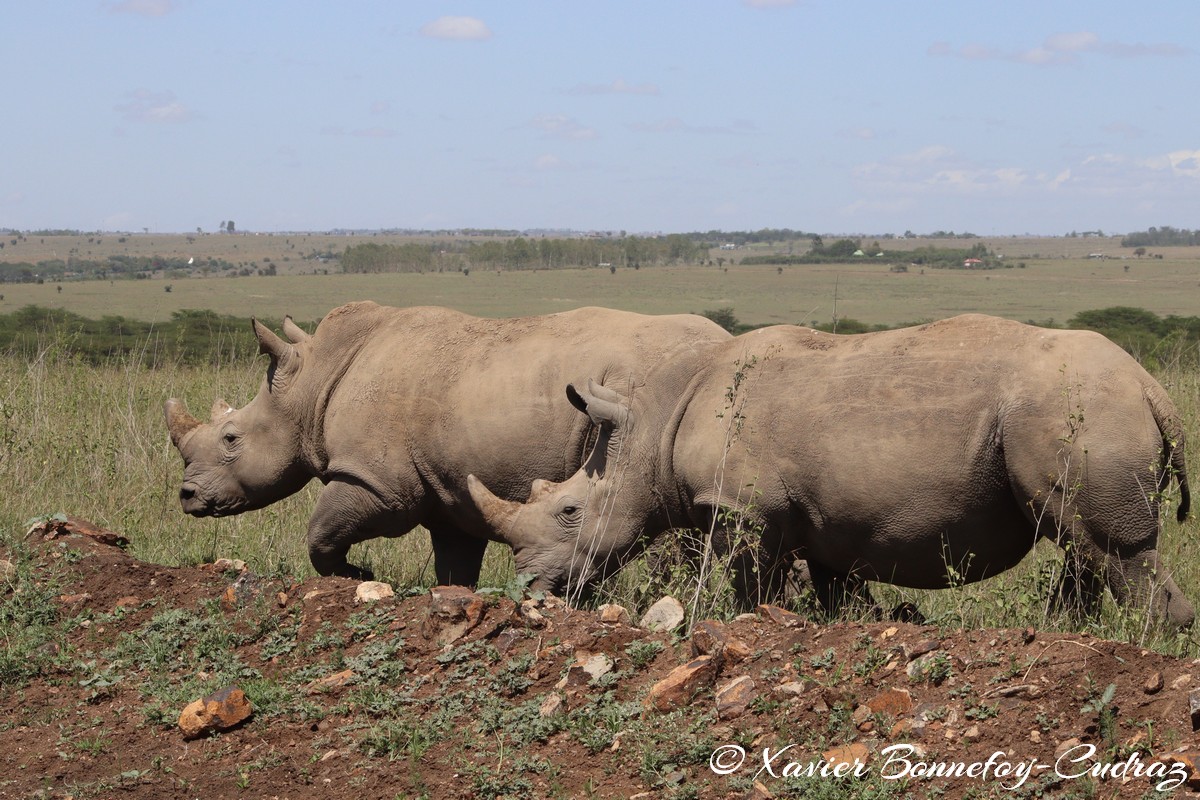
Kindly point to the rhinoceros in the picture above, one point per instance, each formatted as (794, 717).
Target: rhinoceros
(391, 408)
(923, 457)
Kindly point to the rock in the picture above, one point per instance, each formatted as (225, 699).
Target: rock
(1028, 635)
(244, 590)
(920, 648)
(1066, 745)
(901, 730)
(453, 612)
(220, 711)
(1035, 736)
(128, 601)
(893, 702)
(1191, 767)
(665, 615)
(330, 682)
(587, 668)
(860, 715)
(228, 565)
(780, 616)
(1194, 708)
(372, 591)
(735, 697)
(551, 706)
(760, 792)
(853, 753)
(613, 614)
(1182, 682)
(683, 683)
(8, 570)
(1153, 684)
(790, 689)
(60, 525)
(972, 734)
(711, 636)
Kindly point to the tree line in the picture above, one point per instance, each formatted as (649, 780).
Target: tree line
(1166, 236)
(522, 253)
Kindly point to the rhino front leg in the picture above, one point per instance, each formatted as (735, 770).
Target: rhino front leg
(347, 514)
(457, 556)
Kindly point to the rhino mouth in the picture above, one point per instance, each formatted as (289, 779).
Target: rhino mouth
(195, 504)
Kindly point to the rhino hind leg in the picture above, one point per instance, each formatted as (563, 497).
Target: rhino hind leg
(841, 594)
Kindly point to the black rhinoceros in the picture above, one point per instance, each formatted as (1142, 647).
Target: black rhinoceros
(391, 408)
(923, 457)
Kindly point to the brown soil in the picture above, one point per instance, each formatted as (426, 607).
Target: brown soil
(445, 693)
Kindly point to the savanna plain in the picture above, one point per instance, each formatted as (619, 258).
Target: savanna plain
(101, 647)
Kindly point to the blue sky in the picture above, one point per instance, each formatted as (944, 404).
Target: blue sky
(654, 115)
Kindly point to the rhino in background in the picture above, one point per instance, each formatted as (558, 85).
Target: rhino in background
(924, 457)
(392, 408)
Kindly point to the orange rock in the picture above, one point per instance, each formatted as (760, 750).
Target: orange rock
(780, 616)
(220, 711)
(894, 702)
(711, 636)
(453, 612)
(683, 683)
(853, 753)
(335, 681)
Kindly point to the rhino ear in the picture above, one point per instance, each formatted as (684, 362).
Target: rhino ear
(219, 409)
(284, 358)
(599, 410)
(293, 331)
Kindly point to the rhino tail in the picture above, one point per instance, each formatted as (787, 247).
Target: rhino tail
(1166, 416)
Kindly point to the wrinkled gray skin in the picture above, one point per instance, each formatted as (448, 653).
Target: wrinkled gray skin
(391, 408)
(921, 457)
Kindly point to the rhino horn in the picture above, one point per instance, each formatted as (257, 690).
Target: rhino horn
(179, 422)
(219, 409)
(599, 409)
(293, 331)
(499, 514)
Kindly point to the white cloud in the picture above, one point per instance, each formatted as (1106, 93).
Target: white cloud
(463, 29)
(1058, 48)
(145, 8)
(562, 127)
(144, 105)
(1185, 162)
(768, 3)
(548, 162)
(619, 86)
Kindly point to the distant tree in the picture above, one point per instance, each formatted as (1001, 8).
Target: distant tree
(723, 317)
(229, 227)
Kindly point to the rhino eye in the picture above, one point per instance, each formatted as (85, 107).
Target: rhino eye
(231, 438)
(569, 510)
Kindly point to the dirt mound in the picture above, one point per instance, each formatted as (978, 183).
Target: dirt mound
(449, 693)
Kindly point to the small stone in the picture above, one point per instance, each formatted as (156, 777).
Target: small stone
(760, 792)
(901, 730)
(665, 615)
(220, 711)
(735, 697)
(128, 601)
(861, 715)
(332, 754)
(587, 668)
(889, 633)
(790, 689)
(613, 614)
(282, 599)
(8, 570)
(372, 591)
(972, 734)
(1182, 682)
(74, 599)
(1189, 762)
(1028, 635)
(229, 565)
(1153, 684)
(1035, 736)
(683, 683)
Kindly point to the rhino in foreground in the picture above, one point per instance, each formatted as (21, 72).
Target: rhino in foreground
(391, 408)
(924, 457)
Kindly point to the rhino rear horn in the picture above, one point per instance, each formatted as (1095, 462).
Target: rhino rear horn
(219, 409)
(179, 422)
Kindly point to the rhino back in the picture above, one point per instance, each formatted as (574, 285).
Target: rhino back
(432, 394)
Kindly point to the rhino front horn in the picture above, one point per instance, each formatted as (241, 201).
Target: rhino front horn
(499, 514)
(179, 422)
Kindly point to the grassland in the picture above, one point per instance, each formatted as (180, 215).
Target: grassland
(1057, 281)
(91, 441)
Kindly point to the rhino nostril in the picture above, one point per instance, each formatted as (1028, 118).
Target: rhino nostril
(187, 493)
